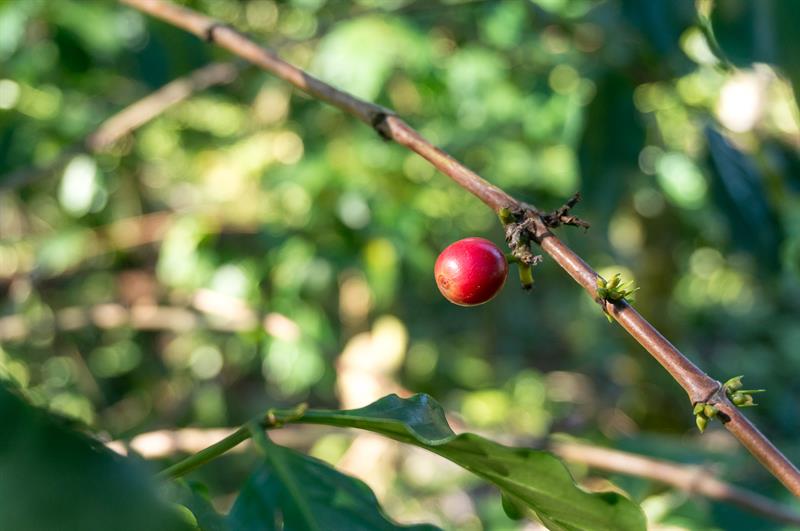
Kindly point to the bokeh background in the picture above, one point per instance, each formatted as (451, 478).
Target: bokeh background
(251, 247)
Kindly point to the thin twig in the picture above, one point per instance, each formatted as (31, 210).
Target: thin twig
(202, 457)
(130, 118)
(120, 235)
(698, 385)
(690, 479)
(214, 314)
(160, 444)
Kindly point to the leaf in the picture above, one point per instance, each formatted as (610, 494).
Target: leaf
(292, 491)
(194, 496)
(53, 477)
(606, 160)
(419, 416)
(511, 508)
(660, 24)
(256, 506)
(784, 43)
(535, 478)
(740, 192)
(760, 32)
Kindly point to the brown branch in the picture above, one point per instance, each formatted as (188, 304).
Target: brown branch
(130, 118)
(690, 479)
(214, 312)
(698, 385)
(120, 235)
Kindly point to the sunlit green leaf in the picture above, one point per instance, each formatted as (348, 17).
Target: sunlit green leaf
(532, 477)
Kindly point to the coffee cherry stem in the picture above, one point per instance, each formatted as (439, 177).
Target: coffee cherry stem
(525, 276)
(518, 239)
(525, 271)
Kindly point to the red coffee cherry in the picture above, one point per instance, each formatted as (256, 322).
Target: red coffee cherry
(471, 271)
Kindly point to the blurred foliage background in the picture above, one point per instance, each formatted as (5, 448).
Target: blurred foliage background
(251, 247)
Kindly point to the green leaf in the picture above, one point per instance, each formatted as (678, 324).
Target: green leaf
(419, 416)
(53, 477)
(535, 478)
(660, 24)
(256, 506)
(194, 497)
(741, 192)
(511, 508)
(747, 43)
(605, 158)
(306, 494)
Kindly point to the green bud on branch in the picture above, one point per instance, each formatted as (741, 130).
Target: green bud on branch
(733, 384)
(615, 290)
(702, 414)
(740, 397)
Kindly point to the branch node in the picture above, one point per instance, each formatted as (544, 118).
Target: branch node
(520, 231)
(714, 396)
(706, 408)
(378, 122)
(519, 235)
(208, 34)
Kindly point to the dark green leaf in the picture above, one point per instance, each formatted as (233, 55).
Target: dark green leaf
(292, 491)
(52, 477)
(660, 23)
(606, 160)
(256, 506)
(756, 32)
(194, 497)
(512, 508)
(740, 193)
(533, 477)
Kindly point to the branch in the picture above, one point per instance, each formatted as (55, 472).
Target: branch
(120, 235)
(205, 455)
(130, 118)
(215, 312)
(161, 444)
(690, 479)
(698, 385)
